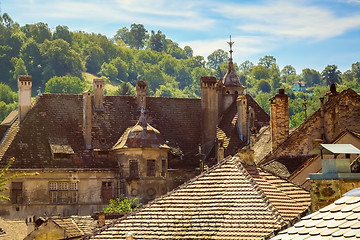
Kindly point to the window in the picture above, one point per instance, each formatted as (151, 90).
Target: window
(134, 169)
(106, 192)
(63, 192)
(150, 168)
(163, 168)
(16, 193)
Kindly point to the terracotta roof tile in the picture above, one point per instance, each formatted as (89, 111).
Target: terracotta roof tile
(330, 222)
(226, 202)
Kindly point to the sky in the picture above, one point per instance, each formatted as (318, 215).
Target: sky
(300, 33)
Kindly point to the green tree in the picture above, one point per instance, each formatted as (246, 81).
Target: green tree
(157, 41)
(355, 68)
(267, 61)
(125, 88)
(122, 34)
(60, 59)
(19, 68)
(216, 58)
(6, 94)
(188, 51)
(264, 86)
(65, 84)
(40, 32)
(109, 70)
(6, 20)
(122, 204)
(246, 65)
(137, 36)
(260, 72)
(311, 77)
(331, 75)
(62, 32)
(122, 69)
(94, 58)
(30, 53)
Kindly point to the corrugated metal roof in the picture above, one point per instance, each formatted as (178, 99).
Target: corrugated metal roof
(335, 149)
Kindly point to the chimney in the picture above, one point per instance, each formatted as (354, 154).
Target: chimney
(98, 86)
(243, 123)
(279, 118)
(87, 115)
(24, 92)
(209, 112)
(101, 219)
(141, 87)
(30, 223)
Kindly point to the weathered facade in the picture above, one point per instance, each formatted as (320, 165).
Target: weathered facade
(339, 111)
(80, 144)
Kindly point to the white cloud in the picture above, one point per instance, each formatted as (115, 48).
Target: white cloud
(288, 19)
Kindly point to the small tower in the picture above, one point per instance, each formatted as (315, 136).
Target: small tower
(24, 92)
(243, 119)
(98, 86)
(141, 87)
(279, 118)
(143, 156)
(232, 86)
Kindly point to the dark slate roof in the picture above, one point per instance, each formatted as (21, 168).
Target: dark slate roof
(59, 117)
(231, 200)
(142, 135)
(227, 132)
(339, 220)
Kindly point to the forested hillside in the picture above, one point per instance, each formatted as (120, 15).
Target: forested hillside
(60, 61)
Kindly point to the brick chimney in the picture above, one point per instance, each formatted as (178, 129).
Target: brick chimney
(24, 92)
(209, 112)
(98, 86)
(279, 118)
(87, 115)
(141, 87)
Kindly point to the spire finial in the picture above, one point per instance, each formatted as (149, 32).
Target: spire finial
(231, 51)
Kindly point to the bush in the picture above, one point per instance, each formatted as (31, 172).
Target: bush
(122, 204)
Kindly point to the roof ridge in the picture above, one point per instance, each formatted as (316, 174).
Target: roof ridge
(9, 137)
(257, 188)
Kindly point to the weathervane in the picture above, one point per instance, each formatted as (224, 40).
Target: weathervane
(231, 51)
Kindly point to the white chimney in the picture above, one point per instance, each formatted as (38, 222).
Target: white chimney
(24, 92)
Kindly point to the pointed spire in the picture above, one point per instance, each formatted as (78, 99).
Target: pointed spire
(231, 51)
(231, 78)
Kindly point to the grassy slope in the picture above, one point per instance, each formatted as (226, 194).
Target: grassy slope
(109, 86)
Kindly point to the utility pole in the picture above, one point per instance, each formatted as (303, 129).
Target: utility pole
(305, 103)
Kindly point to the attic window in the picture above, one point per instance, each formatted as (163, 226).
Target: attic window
(60, 148)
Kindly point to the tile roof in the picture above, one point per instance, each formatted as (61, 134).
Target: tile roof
(300, 141)
(339, 220)
(69, 226)
(227, 132)
(231, 200)
(59, 117)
